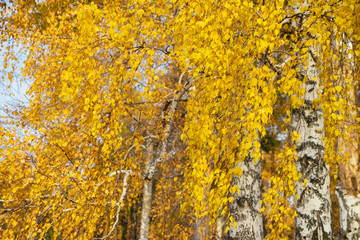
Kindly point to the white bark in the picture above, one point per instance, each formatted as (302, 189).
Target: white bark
(314, 204)
(349, 207)
(146, 209)
(245, 208)
(152, 163)
(219, 227)
(197, 235)
(118, 204)
(201, 229)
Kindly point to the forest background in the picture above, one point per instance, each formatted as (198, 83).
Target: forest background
(181, 119)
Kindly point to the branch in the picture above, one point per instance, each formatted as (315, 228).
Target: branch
(276, 68)
(287, 19)
(174, 176)
(27, 199)
(127, 174)
(282, 51)
(152, 165)
(118, 172)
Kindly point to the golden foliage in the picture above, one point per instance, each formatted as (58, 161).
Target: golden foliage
(100, 85)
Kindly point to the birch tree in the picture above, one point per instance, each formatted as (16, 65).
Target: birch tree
(93, 99)
(348, 144)
(97, 132)
(314, 140)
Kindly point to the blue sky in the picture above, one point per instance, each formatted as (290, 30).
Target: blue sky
(12, 93)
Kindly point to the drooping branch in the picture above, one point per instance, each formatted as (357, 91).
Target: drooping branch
(121, 200)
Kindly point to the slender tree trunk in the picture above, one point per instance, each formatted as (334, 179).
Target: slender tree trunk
(152, 162)
(197, 235)
(219, 227)
(147, 195)
(201, 229)
(245, 208)
(146, 209)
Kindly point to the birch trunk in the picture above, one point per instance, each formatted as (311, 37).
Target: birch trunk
(245, 208)
(152, 162)
(219, 227)
(201, 229)
(314, 204)
(146, 209)
(147, 195)
(348, 193)
(349, 207)
(348, 190)
(197, 234)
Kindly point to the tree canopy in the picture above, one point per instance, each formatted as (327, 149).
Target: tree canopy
(173, 97)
